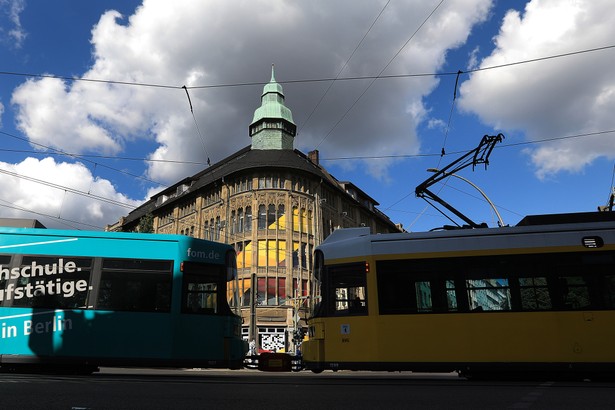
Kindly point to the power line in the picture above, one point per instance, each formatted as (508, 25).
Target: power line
(379, 74)
(345, 64)
(201, 137)
(67, 189)
(350, 158)
(64, 221)
(583, 135)
(313, 80)
(60, 152)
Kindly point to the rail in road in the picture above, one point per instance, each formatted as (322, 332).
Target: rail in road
(154, 389)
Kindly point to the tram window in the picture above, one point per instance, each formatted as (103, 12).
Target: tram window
(134, 291)
(575, 293)
(136, 285)
(204, 289)
(488, 294)
(200, 293)
(451, 296)
(423, 297)
(395, 292)
(609, 291)
(534, 294)
(66, 288)
(201, 298)
(348, 289)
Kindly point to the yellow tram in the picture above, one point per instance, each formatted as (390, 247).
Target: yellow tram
(535, 298)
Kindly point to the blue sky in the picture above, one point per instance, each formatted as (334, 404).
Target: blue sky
(543, 79)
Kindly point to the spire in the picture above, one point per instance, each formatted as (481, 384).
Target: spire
(272, 126)
(274, 87)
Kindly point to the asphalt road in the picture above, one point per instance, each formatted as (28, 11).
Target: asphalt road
(250, 389)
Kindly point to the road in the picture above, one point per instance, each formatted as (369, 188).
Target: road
(249, 389)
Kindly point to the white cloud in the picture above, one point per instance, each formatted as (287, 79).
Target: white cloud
(213, 42)
(12, 10)
(473, 59)
(197, 43)
(553, 98)
(69, 194)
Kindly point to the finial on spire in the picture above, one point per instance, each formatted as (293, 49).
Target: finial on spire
(272, 73)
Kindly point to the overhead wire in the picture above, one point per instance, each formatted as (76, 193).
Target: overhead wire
(378, 76)
(313, 80)
(350, 158)
(64, 221)
(345, 64)
(67, 189)
(81, 156)
(201, 137)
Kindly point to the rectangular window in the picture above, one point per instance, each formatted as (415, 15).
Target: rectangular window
(526, 282)
(574, 292)
(534, 294)
(423, 296)
(137, 285)
(488, 294)
(272, 253)
(204, 289)
(282, 290)
(260, 291)
(60, 282)
(451, 296)
(271, 289)
(347, 290)
(395, 291)
(246, 293)
(201, 296)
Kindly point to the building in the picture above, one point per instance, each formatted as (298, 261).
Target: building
(274, 204)
(21, 223)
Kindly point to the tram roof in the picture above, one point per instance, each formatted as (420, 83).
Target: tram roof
(529, 235)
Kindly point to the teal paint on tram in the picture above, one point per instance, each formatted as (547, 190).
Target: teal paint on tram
(102, 298)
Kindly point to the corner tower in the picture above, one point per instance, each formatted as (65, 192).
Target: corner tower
(272, 127)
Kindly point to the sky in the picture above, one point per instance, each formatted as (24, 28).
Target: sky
(94, 119)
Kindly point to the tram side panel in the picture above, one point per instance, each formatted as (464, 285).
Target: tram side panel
(137, 320)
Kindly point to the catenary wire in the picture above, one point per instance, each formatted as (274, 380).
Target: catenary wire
(344, 66)
(354, 78)
(378, 76)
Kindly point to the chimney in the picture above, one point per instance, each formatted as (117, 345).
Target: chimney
(313, 157)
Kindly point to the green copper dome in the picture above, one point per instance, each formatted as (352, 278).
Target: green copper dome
(272, 125)
(272, 103)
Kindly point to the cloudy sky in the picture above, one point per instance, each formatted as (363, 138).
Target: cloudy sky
(94, 119)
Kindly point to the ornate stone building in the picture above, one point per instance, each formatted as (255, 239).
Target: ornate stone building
(274, 204)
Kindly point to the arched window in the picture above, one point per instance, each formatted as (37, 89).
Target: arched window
(248, 220)
(240, 220)
(262, 217)
(271, 217)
